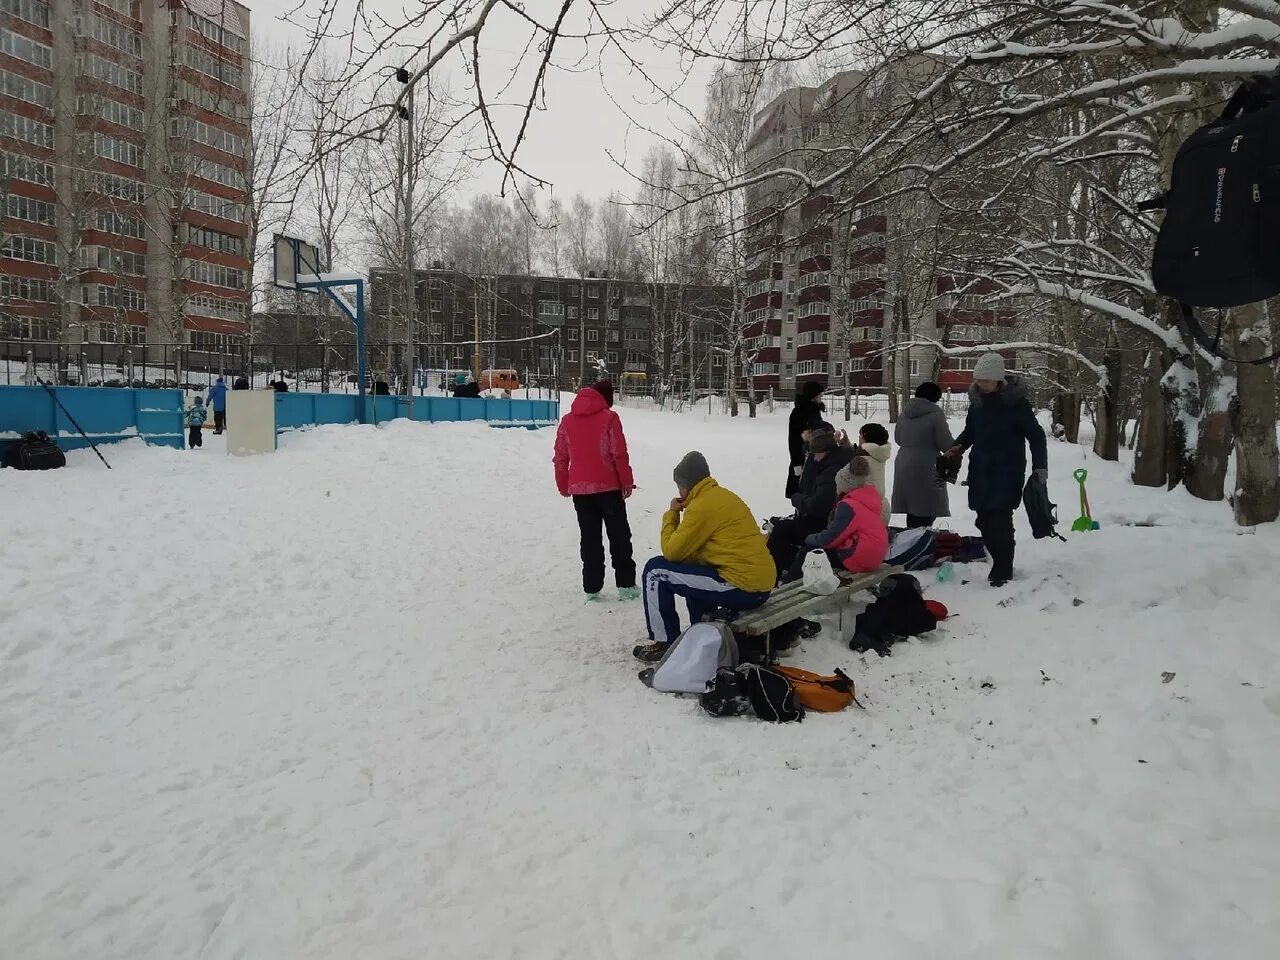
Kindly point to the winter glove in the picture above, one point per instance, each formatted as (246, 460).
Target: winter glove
(797, 470)
(1042, 474)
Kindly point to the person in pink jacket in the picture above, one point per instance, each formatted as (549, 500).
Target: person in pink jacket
(592, 467)
(856, 537)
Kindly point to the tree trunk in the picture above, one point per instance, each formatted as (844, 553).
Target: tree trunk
(1181, 402)
(1253, 417)
(1207, 469)
(1109, 434)
(1066, 413)
(1149, 468)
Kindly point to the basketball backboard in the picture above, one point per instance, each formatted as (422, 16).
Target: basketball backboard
(293, 257)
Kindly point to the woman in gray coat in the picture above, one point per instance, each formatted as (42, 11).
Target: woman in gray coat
(921, 434)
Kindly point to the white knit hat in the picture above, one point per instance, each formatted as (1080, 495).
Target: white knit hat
(989, 367)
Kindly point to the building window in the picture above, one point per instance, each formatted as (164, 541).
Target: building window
(791, 286)
(613, 357)
(21, 88)
(437, 305)
(34, 211)
(14, 167)
(915, 368)
(789, 344)
(593, 336)
(717, 360)
(593, 292)
(25, 129)
(213, 240)
(572, 313)
(24, 48)
(613, 334)
(32, 11)
(121, 151)
(27, 288)
(573, 334)
(30, 249)
(573, 356)
(110, 72)
(550, 308)
(791, 256)
(593, 313)
(855, 365)
(573, 290)
(116, 36)
(839, 370)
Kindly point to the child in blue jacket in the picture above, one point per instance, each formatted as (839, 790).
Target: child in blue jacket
(196, 416)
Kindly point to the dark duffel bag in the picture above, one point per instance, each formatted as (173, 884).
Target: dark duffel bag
(35, 451)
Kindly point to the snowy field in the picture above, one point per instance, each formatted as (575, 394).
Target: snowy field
(344, 701)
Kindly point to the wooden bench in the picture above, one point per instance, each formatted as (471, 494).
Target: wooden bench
(792, 601)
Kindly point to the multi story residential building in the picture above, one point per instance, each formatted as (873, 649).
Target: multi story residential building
(124, 131)
(825, 276)
(564, 330)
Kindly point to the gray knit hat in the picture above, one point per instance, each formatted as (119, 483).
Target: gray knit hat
(691, 470)
(822, 438)
(989, 367)
(856, 473)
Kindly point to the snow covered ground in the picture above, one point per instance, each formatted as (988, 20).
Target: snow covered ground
(344, 701)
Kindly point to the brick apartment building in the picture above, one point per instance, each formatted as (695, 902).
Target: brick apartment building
(563, 330)
(799, 255)
(124, 130)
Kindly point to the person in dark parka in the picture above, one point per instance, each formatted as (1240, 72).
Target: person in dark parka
(999, 426)
(814, 499)
(805, 415)
(922, 435)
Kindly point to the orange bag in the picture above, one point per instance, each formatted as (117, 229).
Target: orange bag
(816, 692)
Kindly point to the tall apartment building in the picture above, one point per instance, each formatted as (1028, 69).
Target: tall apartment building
(124, 132)
(564, 329)
(823, 280)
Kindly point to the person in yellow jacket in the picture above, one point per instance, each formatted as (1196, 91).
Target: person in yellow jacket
(713, 555)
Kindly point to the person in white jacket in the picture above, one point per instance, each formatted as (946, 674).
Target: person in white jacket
(873, 443)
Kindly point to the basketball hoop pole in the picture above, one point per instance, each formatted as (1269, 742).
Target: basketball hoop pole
(357, 318)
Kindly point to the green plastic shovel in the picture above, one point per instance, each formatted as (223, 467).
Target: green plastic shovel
(1085, 521)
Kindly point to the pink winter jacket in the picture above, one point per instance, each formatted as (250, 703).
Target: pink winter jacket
(591, 452)
(856, 534)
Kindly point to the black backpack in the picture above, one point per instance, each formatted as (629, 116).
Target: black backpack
(34, 451)
(752, 689)
(1041, 511)
(1219, 245)
(898, 611)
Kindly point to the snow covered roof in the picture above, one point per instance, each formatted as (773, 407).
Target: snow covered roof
(222, 12)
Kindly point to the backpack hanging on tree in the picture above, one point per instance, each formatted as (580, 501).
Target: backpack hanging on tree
(1219, 245)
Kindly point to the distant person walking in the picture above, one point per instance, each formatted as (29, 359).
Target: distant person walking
(592, 466)
(999, 426)
(218, 404)
(922, 435)
(195, 418)
(805, 415)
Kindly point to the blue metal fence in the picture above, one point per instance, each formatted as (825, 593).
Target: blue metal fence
(110, 414)
(294, 410)
(106, 414)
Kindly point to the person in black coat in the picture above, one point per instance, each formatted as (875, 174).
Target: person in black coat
(805, 415)
(814, 498)
(999, 427)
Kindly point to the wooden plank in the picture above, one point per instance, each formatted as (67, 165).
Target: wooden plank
(793, 601)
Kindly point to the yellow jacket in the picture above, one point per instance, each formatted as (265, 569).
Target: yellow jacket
(718, 531)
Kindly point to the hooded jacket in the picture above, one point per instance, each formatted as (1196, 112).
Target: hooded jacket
(591, 451)
(997, 430)
(816, 492)
(877, 455)
(718, 530)
(856, 534)
(218, 396)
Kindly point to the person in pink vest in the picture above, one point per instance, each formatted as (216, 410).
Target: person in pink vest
(856, 537)
(593, 468)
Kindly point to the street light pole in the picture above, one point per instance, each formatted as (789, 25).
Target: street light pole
(410, 288)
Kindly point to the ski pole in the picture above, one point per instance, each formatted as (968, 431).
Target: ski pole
(49, 391)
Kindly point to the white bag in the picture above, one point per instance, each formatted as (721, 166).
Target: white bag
(692, 660)
(819, 578)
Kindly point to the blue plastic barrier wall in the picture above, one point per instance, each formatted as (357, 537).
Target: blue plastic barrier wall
(106, 414)
(110, 414)
(295, 410)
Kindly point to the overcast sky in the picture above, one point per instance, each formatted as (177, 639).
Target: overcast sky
(571, 141)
